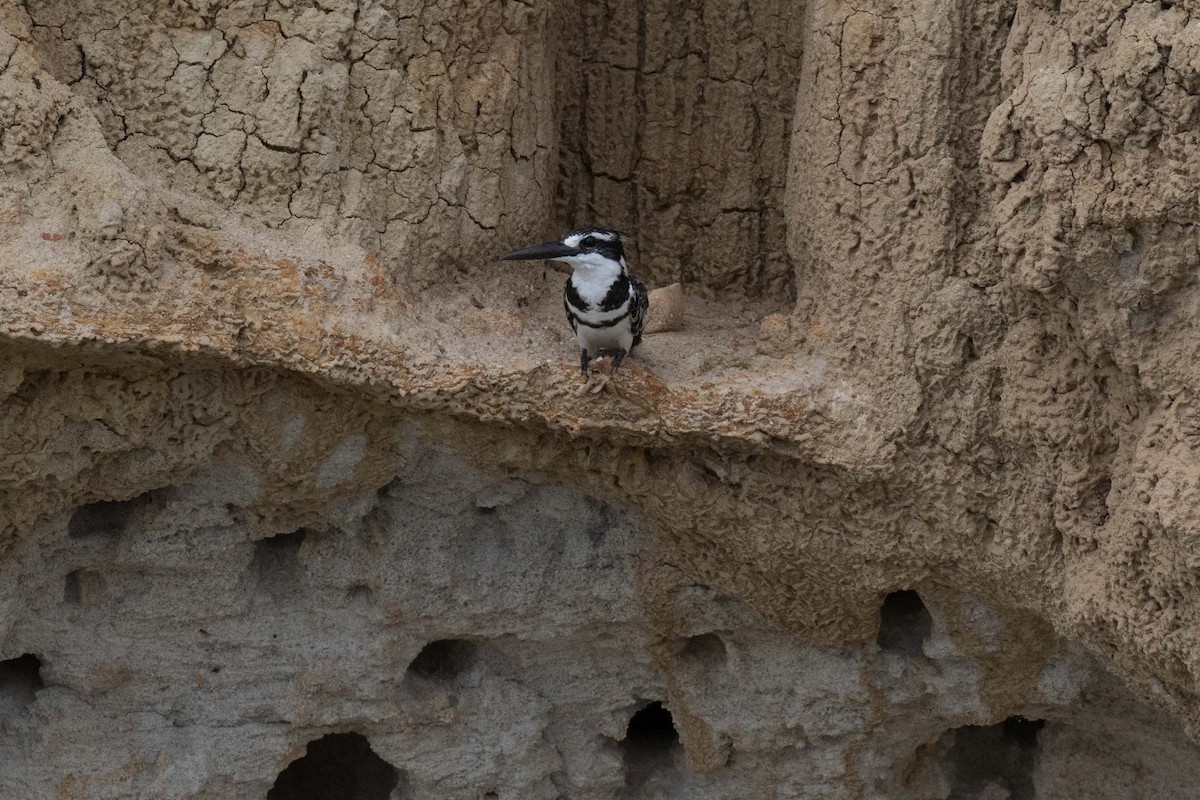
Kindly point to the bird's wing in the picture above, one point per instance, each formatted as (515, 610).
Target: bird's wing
(567, 309)
(639, 310)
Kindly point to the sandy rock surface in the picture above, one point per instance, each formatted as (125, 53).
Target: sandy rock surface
(908, 506)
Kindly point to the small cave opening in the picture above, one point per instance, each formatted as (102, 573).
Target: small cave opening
(1023, 732)
(276, 560)
(20, 681)
(993, 760)
(651, 751)
(83, 588)
(338, 765)
(443, 661)
(360, 594)
(106, 519)
(904, 623)
(72, 592)
(706, 650)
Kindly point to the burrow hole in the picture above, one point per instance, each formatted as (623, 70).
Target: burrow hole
(970, 353)
(106, 518)
(20, 681)
(443, 661)
(706, 650)
(904, 623)
(276, 560)
(360, 594)
(994, 760)
(651, 751)
(84, 588)
(338, 765)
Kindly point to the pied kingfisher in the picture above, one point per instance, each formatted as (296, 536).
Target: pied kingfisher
(607, 308)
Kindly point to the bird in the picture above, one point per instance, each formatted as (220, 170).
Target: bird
(606, 306)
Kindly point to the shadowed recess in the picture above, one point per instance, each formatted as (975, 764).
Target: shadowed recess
(339, 766)
(651, 751)
(706, 650)
(904, 623)
(360, 594)
(20, 681)
(107, 518)
(993, 760)
(276, 560)
(700, 198)
(444, 660)
(72, 593)
(84, 588)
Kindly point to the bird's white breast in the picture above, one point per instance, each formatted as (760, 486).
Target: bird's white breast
(592, 275)
(614, 337)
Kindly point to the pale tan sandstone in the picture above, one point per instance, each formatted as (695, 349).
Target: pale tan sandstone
(274, 417)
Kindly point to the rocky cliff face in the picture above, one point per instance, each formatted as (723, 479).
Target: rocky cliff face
(299, 496)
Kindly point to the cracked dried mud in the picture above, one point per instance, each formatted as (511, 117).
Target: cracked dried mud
(298, 497)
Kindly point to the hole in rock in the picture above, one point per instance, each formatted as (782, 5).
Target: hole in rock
(596, 534)
(706, 650)
(1094, 505)
(276, 559)
(72, 594)
(1129, 260)
(994, 760)
(651, 749)
(84, 588)
(904, 623)
(1023, 732)
(600, 521)
(20, 680)
(107, 518)
(444, 660)
(338, 766)
(360, 593)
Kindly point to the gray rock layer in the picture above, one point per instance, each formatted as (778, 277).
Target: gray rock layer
(296, 488)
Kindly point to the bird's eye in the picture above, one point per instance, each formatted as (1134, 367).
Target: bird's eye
(590, 242)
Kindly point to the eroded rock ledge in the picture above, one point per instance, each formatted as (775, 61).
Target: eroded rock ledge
(908, 509)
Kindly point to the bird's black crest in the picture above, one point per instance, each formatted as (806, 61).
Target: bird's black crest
(606, 241)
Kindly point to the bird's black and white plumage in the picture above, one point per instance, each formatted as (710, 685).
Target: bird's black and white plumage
(606, 306)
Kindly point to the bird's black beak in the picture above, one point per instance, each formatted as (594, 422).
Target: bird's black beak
(547, 250)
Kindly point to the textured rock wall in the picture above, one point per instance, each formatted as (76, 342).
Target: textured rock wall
(676, 118)
(286, 455)
(383, 122)
(371, 122)
(489, 634)
(1014, 255)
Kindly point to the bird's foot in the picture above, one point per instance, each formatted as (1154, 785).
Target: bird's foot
(600, 374)
(594, 383)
